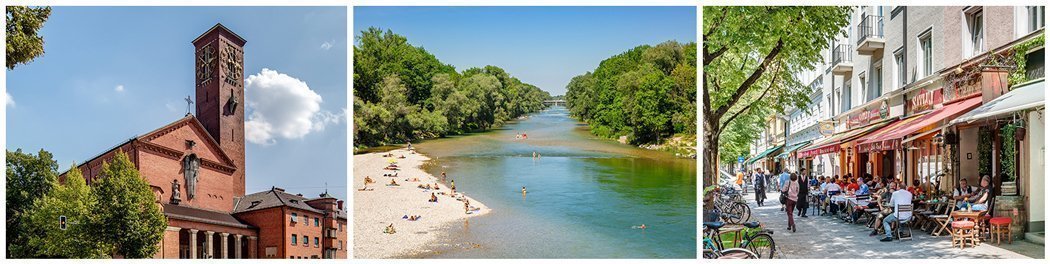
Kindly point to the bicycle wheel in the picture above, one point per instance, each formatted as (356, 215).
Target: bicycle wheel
(710, 254)
(739, 213)
(732, 215)
(763, 245)
(738, 253)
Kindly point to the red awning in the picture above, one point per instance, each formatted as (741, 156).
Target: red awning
(865, 144)
(949, 111)
(831, 144)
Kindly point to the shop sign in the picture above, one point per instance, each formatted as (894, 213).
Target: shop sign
(827, 128)
(925, 100)
(868, 115)
(879, 146)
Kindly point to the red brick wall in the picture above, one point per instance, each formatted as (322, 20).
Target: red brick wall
(213, 189)
(271, 229)
(302, 229)
(227, 127)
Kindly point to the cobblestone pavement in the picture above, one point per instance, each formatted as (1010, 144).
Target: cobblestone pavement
(822, 237)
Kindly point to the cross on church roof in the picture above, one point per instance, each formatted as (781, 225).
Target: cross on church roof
(189, 104)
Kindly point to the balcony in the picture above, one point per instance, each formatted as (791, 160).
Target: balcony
(842, 60)
(869, 32)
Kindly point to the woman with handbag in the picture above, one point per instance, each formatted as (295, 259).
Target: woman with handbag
(790, 194)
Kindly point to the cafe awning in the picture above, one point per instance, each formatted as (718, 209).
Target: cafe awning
(870, 141)
(1023, 96)
(792, 148)
(763, 154)
(831, 144)
(891, 139)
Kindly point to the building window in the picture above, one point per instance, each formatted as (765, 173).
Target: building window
(306, 241)
(294, 215)
(1036, 18)
(847, 96)
(317, 242)
(901, 76)
(306, 220)
(975, 29)
(295, 239)
(876, 82)
(317, 221)
(926, 53)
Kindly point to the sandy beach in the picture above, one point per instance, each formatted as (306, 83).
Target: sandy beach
(384, 204)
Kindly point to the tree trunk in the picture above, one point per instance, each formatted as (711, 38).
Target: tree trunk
(710, 170)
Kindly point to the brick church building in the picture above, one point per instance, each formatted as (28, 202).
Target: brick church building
(195, 166)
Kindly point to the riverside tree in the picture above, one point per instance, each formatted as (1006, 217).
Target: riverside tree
(127, 217)
(751, 57)
(72, 200)
(29, 177)
(647, 93)
(404, 93)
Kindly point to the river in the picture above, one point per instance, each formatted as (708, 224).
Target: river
(586, 196)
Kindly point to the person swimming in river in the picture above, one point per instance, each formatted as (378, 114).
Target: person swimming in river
(639, 227)
(523, 191)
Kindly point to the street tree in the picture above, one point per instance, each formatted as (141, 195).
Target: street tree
(23, 42)
(29, 177)
(751, 56)
(71, 203)
(127, 216)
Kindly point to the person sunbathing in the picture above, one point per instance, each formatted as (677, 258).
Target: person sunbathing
(402, 156)
(433, 198)
(390, 229)
(393, 183)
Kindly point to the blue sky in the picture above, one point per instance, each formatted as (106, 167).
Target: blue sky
(110, 74)
(544, 46)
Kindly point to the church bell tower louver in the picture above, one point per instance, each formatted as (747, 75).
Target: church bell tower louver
(219, 81)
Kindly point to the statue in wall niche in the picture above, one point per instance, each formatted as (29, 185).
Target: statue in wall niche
(190, 167)
(176, 196)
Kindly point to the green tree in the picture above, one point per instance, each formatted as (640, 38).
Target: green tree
(73, 200)
(29, 177)
(23, 43)
(647, 94)
(127, 215)
(751, 55)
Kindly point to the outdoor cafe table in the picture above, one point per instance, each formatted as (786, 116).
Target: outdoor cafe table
(736, 229)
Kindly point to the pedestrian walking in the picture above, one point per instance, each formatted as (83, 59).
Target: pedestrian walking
(782, 182)
(760, 187)
(740, 182)
(791, 191)
(803, 194)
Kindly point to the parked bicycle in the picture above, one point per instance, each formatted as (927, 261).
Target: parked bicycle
(756, 240)
(731, 207)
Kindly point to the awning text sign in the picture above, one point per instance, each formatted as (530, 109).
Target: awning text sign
(868, 115)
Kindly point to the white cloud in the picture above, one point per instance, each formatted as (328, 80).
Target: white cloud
(283, 106)
(326, 45)
(119, 88)
(10, 100)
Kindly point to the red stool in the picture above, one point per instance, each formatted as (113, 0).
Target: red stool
(996, 228)
(963, 231)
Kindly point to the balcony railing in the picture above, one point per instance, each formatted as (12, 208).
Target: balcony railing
(870, 27)
(841, 54)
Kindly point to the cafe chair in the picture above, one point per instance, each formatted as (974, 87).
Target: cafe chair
(861, 199)
(941, 221)
(1000, 226)
(962, 232)
(904, 208)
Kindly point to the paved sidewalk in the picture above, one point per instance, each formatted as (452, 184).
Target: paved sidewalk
(823, 237)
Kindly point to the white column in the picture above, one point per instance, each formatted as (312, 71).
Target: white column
(209, 249)
(237, 247)
(225, 250)
(193, 243)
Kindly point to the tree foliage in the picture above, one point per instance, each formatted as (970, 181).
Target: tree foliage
(23, 43)
(647, 93)
(29, 177)
(127, 215)
(72, 199)
(404, 93)
(751, 57)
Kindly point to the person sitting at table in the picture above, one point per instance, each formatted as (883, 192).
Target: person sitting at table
(852, 186)
(979, 200)
(899, 197)
(962, 192)
(914, 189)
(833, 189)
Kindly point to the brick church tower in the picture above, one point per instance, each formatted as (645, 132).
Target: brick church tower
(220, 93)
